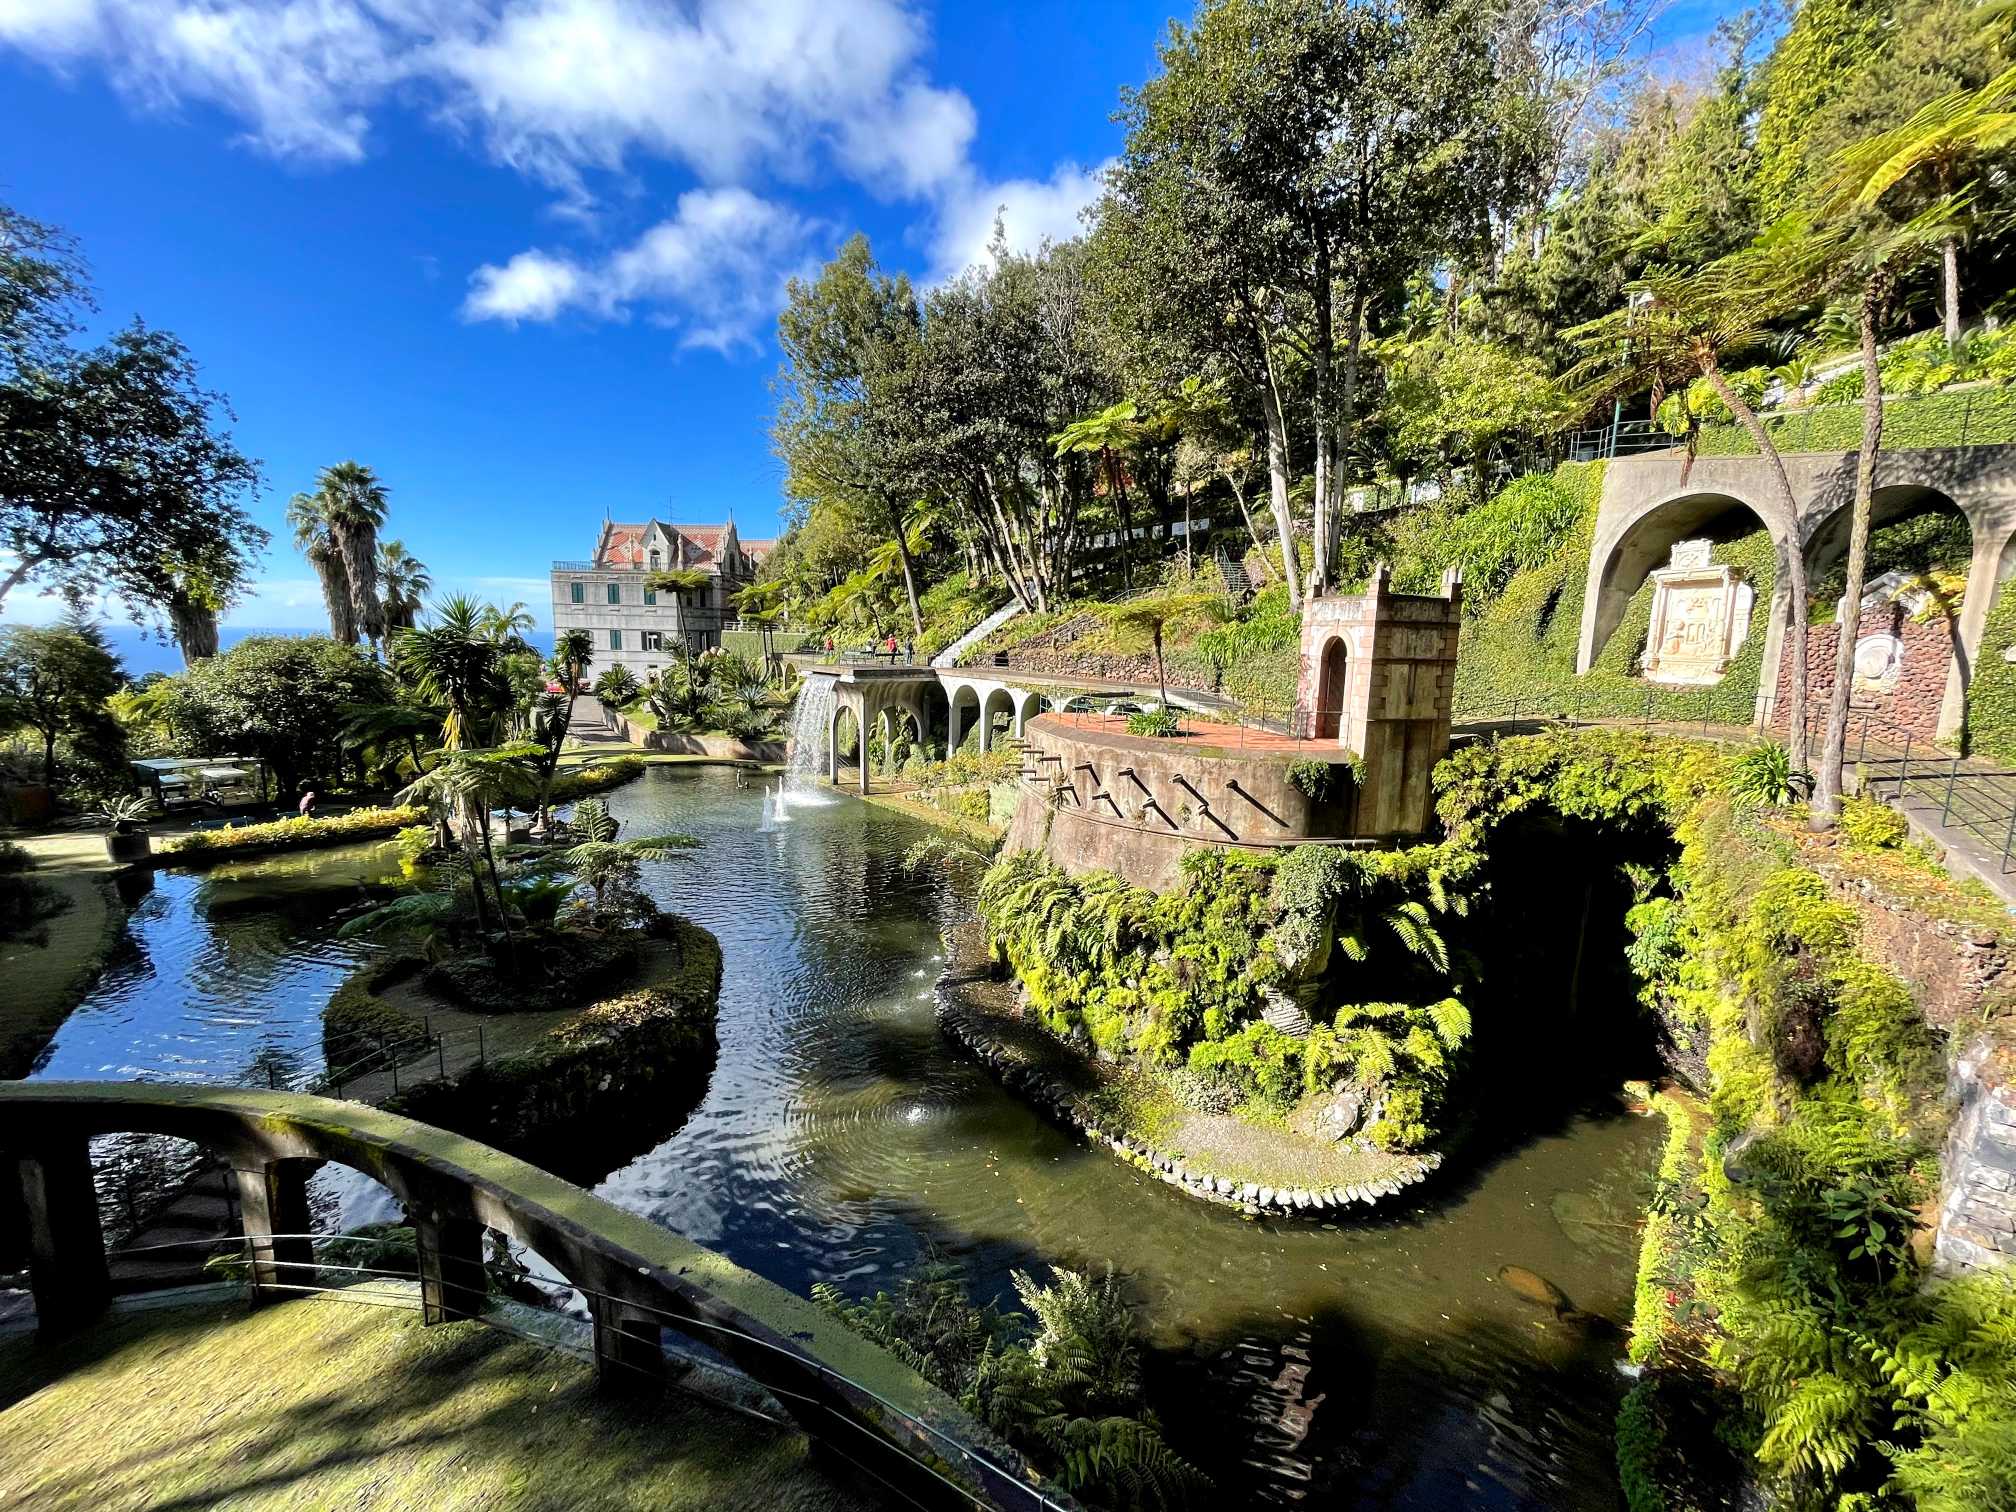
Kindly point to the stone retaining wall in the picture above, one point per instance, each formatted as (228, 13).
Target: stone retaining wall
(1912, 705)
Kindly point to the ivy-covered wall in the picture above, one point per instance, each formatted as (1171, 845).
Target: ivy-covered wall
(1522, 644)
(1991, 696)
(1783, 1310)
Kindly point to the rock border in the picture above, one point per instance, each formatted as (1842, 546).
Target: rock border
(966, 1026)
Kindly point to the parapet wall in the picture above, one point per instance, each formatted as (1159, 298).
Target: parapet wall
(1096, 799)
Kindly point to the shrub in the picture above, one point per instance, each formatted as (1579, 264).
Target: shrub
(1762, 776)
(1160, 723)
(291, 834)
(1872, 825)
(597, 778)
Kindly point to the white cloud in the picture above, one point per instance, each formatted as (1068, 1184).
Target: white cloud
(1031, 211)
(557, 88)
(741, 94)
(715, 270)
(532, 286)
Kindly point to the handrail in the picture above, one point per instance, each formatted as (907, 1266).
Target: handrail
(642, 1276)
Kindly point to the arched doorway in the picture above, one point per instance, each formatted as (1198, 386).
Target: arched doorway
(1332, 687)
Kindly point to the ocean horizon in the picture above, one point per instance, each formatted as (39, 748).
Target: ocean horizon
(142, 651)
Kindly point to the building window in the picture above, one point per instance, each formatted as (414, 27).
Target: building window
(574, 592)
(615, 593)
(615, 640)
(654, 558)
(651, 595)
(654, 640)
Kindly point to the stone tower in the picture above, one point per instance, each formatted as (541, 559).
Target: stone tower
(1377, 677)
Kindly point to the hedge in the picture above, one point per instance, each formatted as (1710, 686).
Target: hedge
(289, 834)
(579, 782)
(1955, 417)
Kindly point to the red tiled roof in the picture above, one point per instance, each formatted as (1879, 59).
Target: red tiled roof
(622, 545)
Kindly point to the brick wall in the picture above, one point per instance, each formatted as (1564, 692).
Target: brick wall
(1921, 686)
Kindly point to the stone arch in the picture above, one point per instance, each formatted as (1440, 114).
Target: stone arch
(998, 700)
(1333, 686)
(1027, 706)
(962, 710)
(1623, 558)
(849, 708)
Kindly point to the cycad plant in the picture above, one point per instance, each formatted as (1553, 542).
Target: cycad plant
(453, 662)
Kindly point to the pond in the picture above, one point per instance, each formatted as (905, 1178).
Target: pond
(1375, 1364)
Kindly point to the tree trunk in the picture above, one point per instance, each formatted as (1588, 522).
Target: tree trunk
(1320, 364)
(358, 545)
(335, 591)
(1125, 508)
(49, 757)
(1277, 490)
(909, 578)
(1795, 566)
(1346, 421)
(1949, 289)
(195, 628)
(1161, 677)
(1189, 556)
(1827, 786)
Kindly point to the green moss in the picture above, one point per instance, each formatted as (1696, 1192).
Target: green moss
(1991, 696)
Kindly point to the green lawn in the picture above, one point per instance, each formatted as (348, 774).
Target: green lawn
(323, 1404)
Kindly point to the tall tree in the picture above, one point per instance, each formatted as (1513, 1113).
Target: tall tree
(54, 680)
(308, 518)
(353, 506)
(851, 339)
(1678, 327)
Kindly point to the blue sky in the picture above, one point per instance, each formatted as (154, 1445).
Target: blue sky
(523, 257)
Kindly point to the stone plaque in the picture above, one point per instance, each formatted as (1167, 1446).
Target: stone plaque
(1700, 616)
(1691, 554)
(1879, 662)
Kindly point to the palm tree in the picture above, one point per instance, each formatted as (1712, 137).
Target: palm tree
(354, 505)
(681, 583)
(1112, 433)
(1859, 243)
(509, 627)
(1147, 617)
(616, 687)
(307, 516)
(1928, 158)
(454, 663)
(1680, 326)
(404, 583)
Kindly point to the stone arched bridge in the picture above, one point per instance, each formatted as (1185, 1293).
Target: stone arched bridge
(1652, 501)
(894, 694)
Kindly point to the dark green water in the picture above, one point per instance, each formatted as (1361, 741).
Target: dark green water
(1377, 1364)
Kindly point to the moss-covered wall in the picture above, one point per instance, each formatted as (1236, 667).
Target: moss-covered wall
(1522, 645)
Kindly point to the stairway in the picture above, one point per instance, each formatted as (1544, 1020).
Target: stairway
(949, 657)
(1238, 581)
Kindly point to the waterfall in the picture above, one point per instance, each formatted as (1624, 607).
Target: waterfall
(811, 731)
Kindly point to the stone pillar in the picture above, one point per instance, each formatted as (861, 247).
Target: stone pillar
(452, 1280)
(273, 1208)
(833, 743)
(986, 726)
(67, 1269)
(629, 1353)
(1983, 574)
(952, 731)
(892, 721)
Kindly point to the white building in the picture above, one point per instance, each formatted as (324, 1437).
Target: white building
(632, 625)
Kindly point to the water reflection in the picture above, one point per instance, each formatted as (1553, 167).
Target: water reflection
(1373, 1364)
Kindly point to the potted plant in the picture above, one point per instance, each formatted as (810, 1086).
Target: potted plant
(128, 842)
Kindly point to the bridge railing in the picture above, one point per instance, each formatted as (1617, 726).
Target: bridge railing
(635, 1280)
